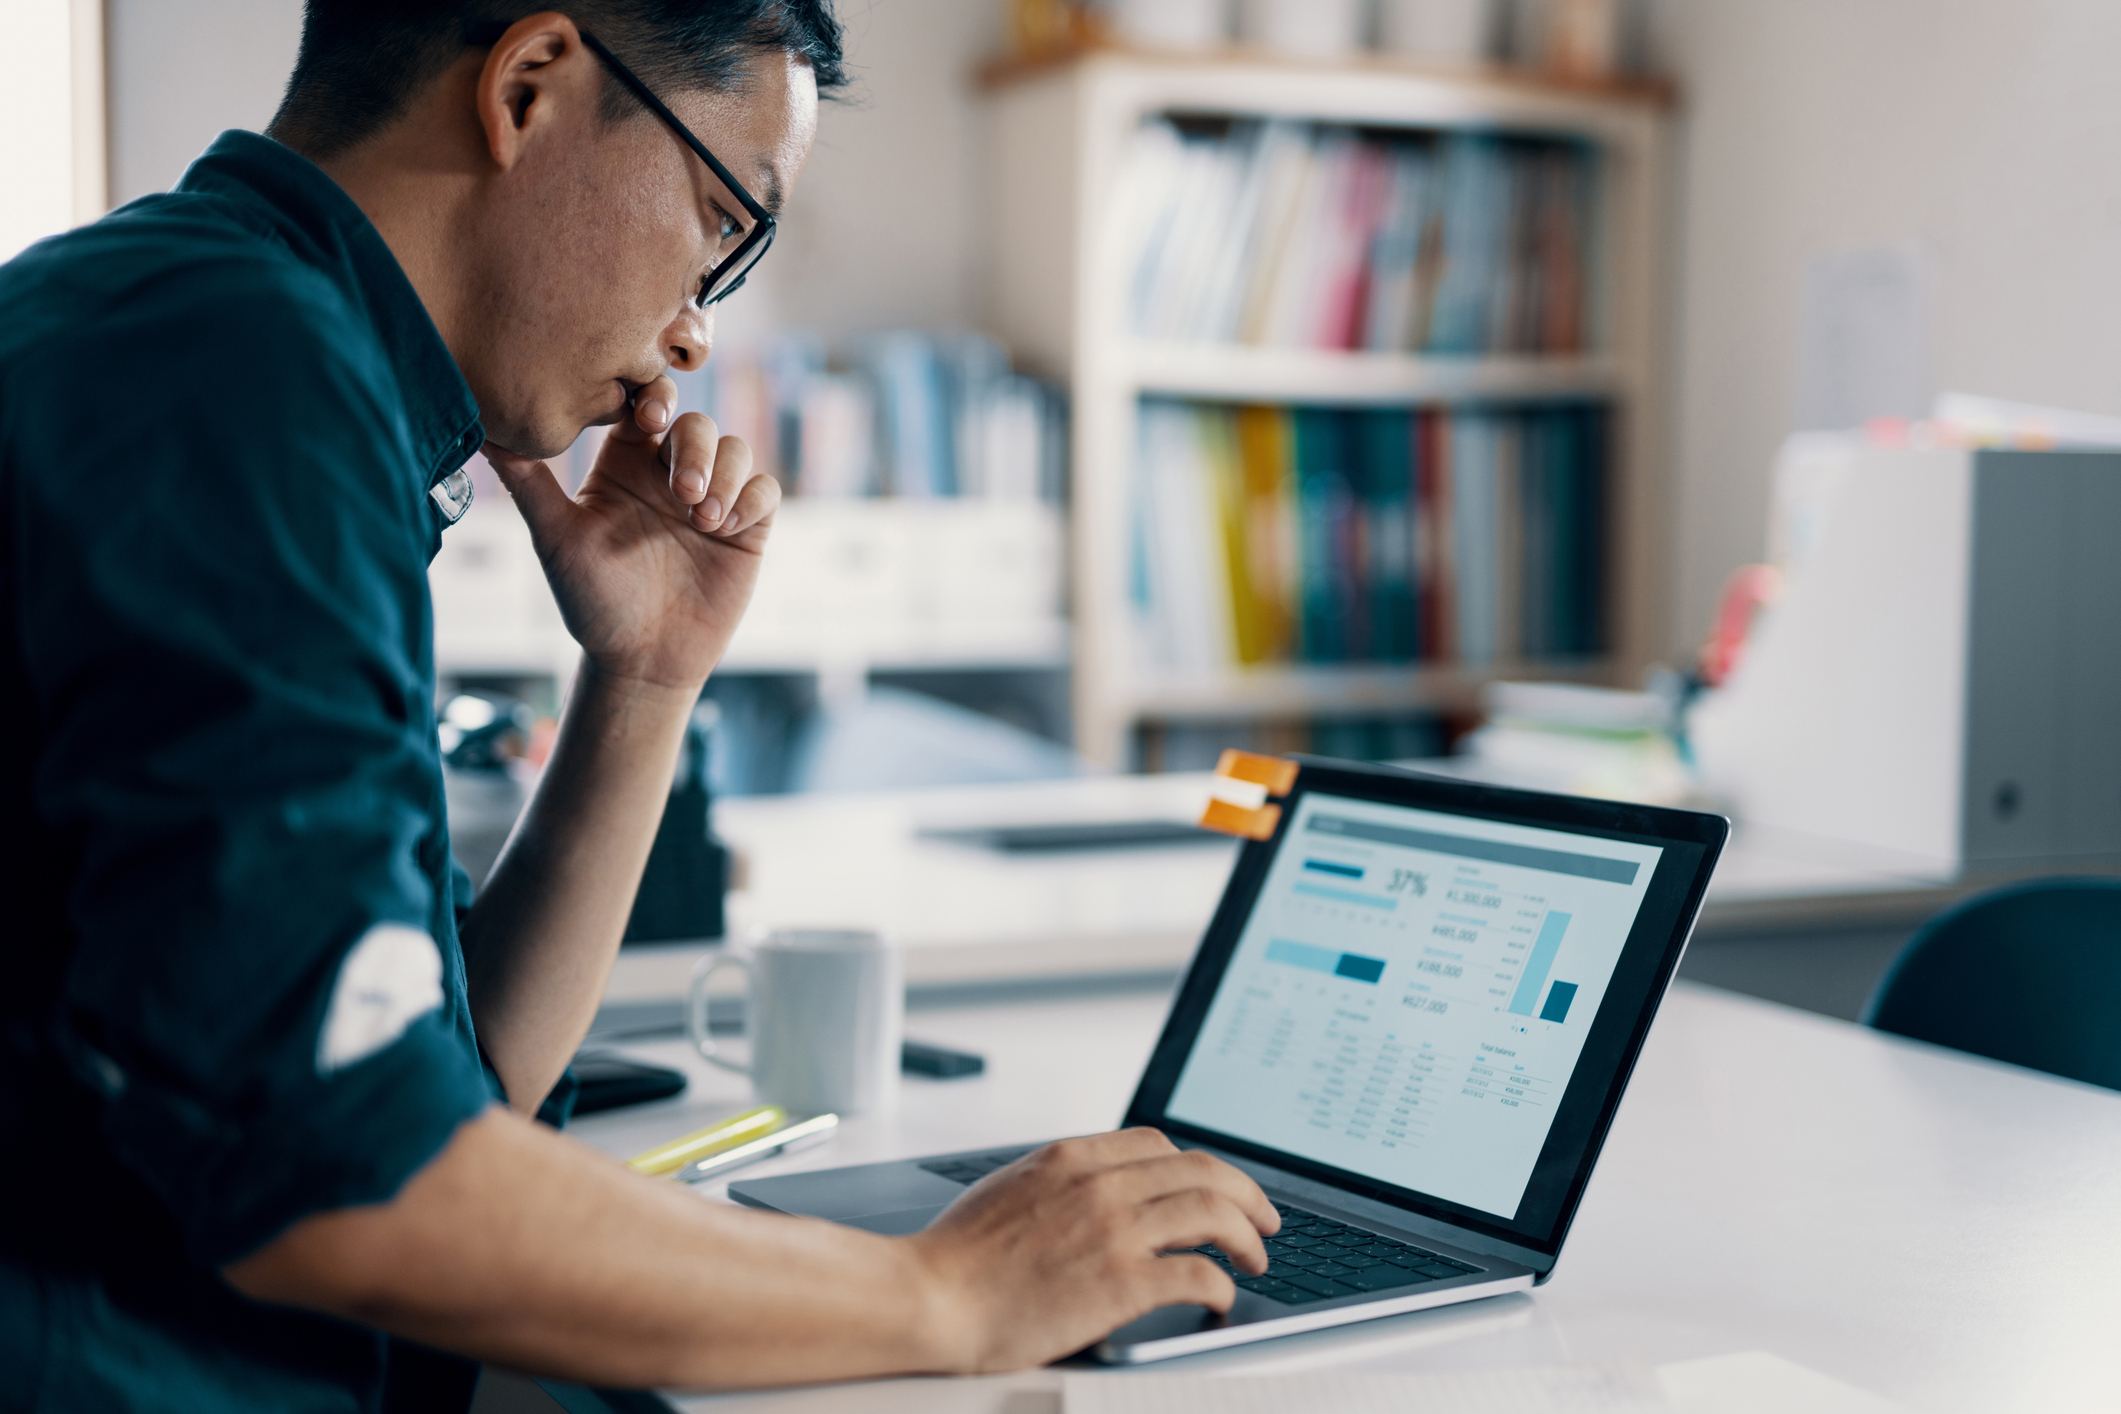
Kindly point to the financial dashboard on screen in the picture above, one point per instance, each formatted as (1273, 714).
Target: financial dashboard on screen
(1411, 994)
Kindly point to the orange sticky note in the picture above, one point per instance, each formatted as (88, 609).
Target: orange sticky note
(1237, 820)
(1277, 775)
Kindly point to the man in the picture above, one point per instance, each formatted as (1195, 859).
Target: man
(249, 1077)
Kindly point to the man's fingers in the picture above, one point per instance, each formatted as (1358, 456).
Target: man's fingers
(1197, 1217)
(732, 469)
(1187, 1170)
(756, 503)
(655, 408)
(1097, 1151)
(689, 451)
(539, 498)
(1190, 1280)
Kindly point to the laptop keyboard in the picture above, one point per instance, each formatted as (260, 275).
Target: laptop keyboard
(1311, 1259)
(1317, 1259)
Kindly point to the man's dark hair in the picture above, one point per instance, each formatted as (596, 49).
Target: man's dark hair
(362, 60)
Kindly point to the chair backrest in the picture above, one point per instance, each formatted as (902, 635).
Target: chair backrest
(2029, 973)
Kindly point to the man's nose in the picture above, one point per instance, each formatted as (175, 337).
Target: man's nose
(687, 341)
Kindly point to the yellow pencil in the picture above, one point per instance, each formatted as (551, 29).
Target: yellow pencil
(701, 1143)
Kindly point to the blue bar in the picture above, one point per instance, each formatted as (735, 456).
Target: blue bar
(1345, 896)
(1542, 958)
(1361, 969)
(1558, 999)
(1352, 966)
(1302, 955)
(1327, 866)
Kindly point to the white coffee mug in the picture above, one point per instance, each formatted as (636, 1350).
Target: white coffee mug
(824, 1011)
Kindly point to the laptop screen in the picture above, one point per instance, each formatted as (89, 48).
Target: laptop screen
(1412, 991)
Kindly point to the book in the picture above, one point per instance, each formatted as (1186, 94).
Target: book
(1301, 276)
(1387, 530)
(1324, 510)
(1471, 259)
(1350, 239)
(907, 413)
(1514, 433)
(1474, 454)
(916, 438)
(1335, 535)
(1436, 577)
(1188, 628)
(1316, 236)
(837, 439)
(1401, 249)
(1287, 158)
(1217, 430)
(1272, 555)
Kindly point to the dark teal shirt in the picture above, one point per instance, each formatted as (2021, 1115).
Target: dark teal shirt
(222, 413)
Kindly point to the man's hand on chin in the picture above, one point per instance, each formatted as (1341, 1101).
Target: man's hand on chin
(653, 561)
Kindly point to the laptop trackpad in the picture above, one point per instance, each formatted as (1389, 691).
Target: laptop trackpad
(899, 1224)
(860, 1195)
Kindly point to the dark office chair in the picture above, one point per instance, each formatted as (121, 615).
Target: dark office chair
(2029, 973)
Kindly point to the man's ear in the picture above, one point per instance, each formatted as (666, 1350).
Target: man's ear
(536, 71)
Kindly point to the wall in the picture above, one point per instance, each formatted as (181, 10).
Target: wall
(37, 101)
(883, 230)
(1986, 131)
(179, 74)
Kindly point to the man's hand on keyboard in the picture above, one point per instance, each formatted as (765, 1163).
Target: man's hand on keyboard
(1066, 1244)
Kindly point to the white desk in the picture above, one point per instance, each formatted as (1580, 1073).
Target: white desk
(967, 914)
(1932, 1227)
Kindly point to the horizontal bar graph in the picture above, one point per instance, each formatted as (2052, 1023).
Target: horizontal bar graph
(1329, 866)
(1353, 966)
(1345, 896)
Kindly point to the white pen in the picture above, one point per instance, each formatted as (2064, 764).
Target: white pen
(800, 1135)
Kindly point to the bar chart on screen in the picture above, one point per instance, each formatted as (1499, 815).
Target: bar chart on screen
(1411, 994)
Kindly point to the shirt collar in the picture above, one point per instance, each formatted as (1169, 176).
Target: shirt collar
(314, 217)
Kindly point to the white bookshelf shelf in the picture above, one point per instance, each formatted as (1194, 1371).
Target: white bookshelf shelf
(848, 588)
(1246, 372)
(1028, 646)
(1059, 134)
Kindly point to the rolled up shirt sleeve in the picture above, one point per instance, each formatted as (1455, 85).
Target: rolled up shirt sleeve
(225, 624)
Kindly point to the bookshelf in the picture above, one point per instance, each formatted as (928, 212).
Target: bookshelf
(1062, 131)
(851, 586)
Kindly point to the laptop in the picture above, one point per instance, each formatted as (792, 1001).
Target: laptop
(1411, 1020)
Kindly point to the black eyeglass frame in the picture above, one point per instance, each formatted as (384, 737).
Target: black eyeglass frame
(752, 248)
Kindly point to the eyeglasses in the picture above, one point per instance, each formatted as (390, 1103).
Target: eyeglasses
(738, 248)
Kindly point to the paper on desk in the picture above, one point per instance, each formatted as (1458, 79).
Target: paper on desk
(1609, 1387)
(1758, 1383)
(1747, 1383)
